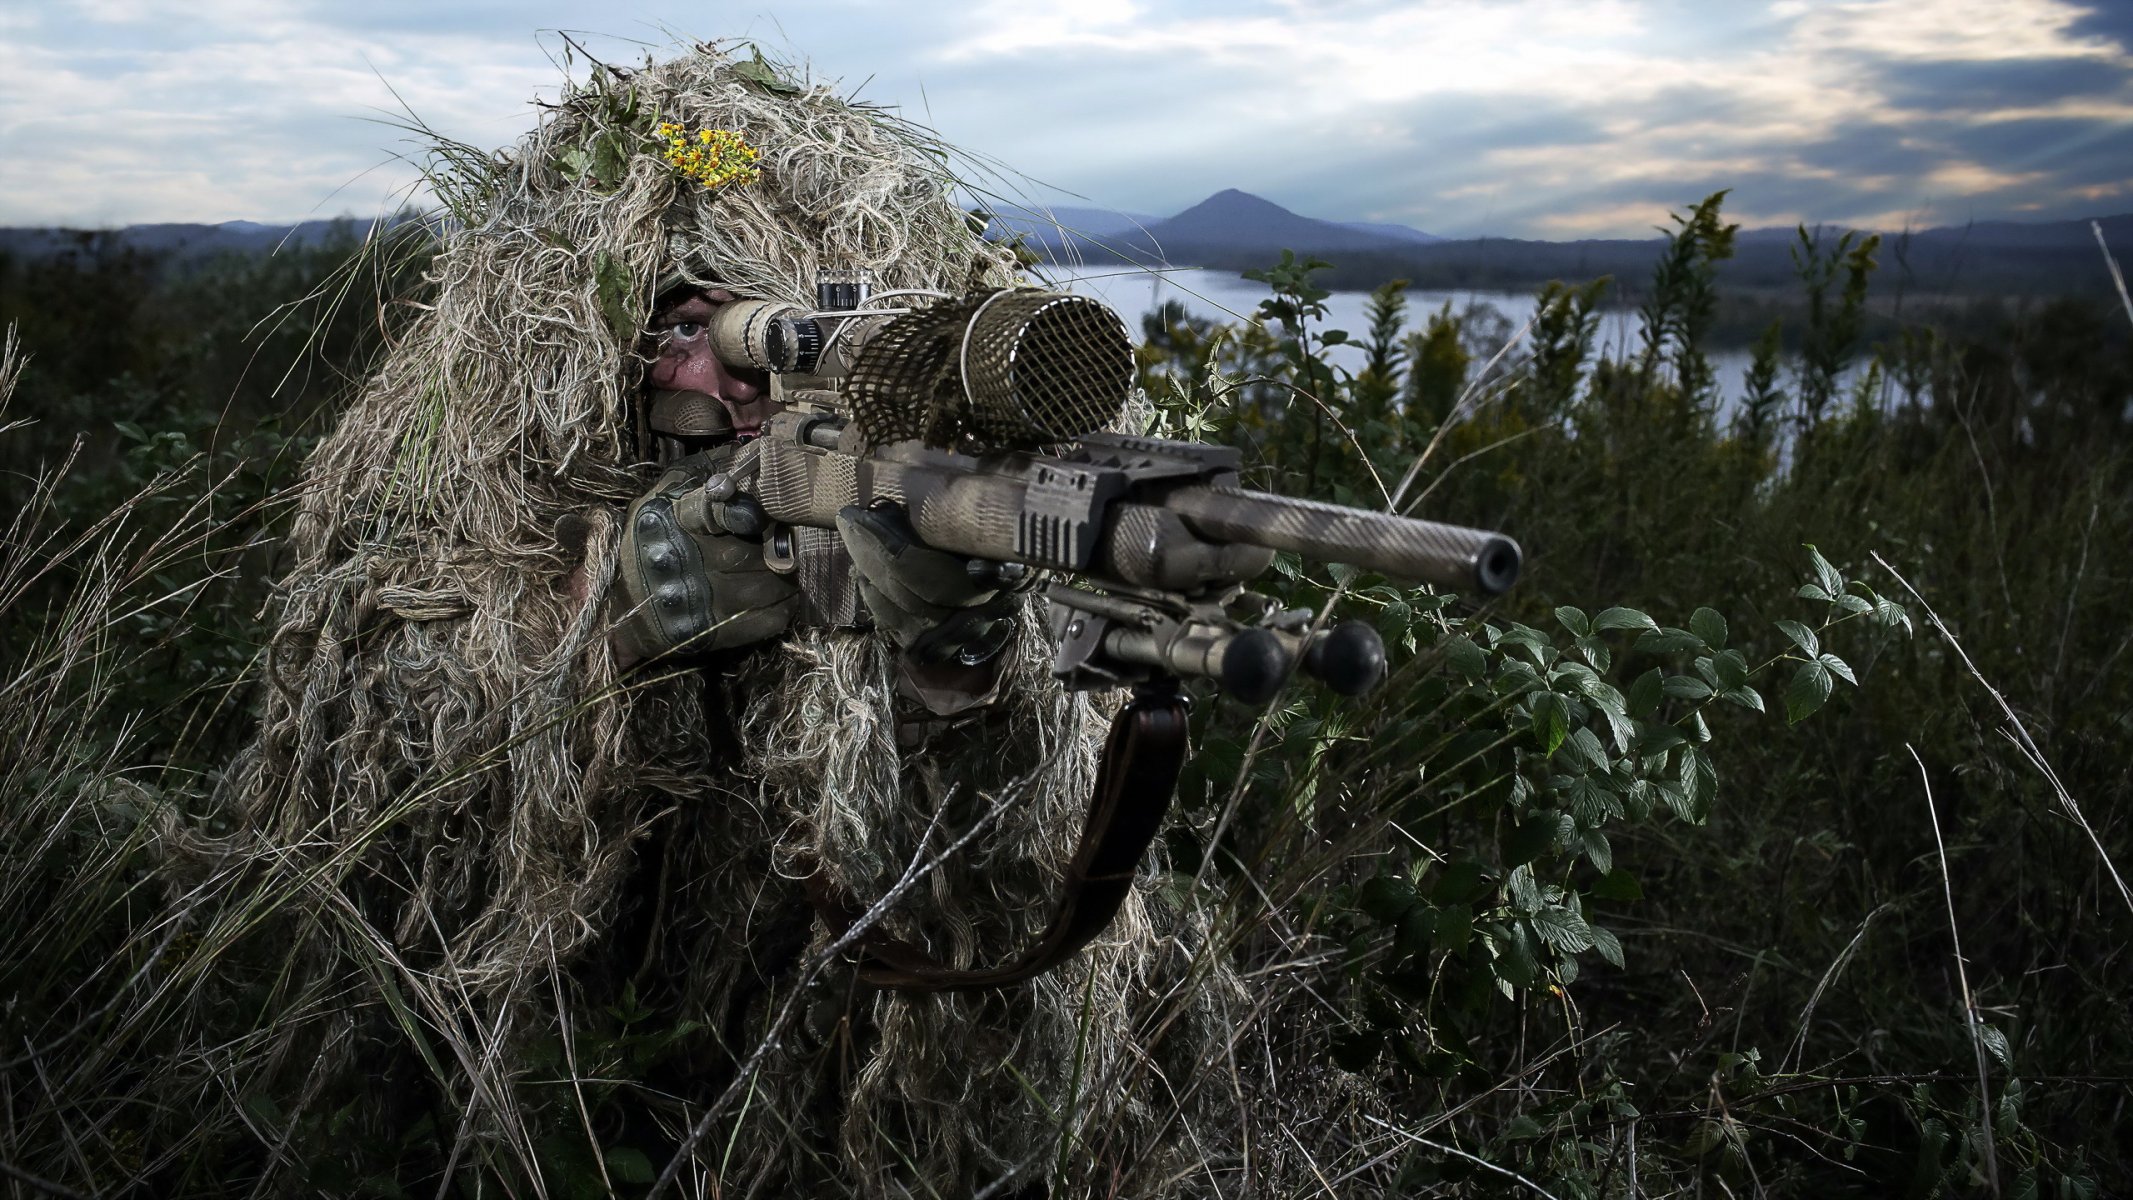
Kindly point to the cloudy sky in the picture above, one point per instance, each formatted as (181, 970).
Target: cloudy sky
(1534, 118)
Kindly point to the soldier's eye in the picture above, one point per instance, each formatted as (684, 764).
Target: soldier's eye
(685, 330)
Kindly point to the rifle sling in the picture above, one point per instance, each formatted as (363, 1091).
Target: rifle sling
(1134, 784)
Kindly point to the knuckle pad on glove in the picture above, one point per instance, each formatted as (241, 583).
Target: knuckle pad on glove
(690, 590)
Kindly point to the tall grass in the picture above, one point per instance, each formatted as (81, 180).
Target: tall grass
(1617, 888)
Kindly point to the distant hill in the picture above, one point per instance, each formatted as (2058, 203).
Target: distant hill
(1066, 233)
(1399, 233)
(181, 243)
(1235, 230)
(1225, 223)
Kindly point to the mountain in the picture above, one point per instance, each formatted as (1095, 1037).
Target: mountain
(178, 242)
(1231, 220)
(1403, 233)
(1234, 230)
(1066, 232)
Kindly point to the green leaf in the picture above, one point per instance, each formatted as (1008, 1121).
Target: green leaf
(1574, 620)
(1531, 838)
(1609, 946)
(1618, 885)
(1551, 720)
(1385, 897)
(1591, 802)
(610, 160)
(1700, 779)
(1810, 687)
(1464, 656)
(1584, 747)
(1745, 696)
(1645, 694)
(629, 1165)
(1730, 668)
(617, 291)
(1418, 928)
(1599, 851)
(1516, 963)
(1677, 798)
(1460, 883)
(1524, 889)
(1621, 618)
(1563, 930)
(1801, 636)
(1708, 625)
(1809, 591)
(1839, 668)
(763, 75)
(1333, 337)
(1853, 605)
(574, 163)
(1666, 641)
(1660, 738)
(1455, 927)
(1832, 582)
(1523, 1128)
(1996, 1045)
(1890, 615)
(1686, 687)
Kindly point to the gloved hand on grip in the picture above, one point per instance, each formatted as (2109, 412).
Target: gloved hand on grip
(940, 608)
(686, 586)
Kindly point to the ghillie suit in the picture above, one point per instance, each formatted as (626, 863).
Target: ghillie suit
(550, 906)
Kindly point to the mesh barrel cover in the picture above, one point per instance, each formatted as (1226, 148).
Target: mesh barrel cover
(1043, 367)
(907, 382)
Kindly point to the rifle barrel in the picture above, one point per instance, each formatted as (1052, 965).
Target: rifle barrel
(1452, 557)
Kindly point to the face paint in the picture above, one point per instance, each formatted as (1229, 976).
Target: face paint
(686, 363)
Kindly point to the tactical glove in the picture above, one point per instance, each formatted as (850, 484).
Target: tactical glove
(685, 585)
(939, 608)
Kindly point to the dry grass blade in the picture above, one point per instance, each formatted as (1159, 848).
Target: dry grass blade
(2018, 733)
(2117, 277)
(1971, 1022)
(1477, 1160)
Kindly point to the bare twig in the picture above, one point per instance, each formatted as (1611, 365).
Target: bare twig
(1962, 978)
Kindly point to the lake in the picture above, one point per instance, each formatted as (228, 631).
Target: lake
(1223, 296)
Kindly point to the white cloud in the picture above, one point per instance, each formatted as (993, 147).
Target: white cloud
(1456, 115)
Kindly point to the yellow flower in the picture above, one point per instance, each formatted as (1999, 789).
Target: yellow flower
(717, 157)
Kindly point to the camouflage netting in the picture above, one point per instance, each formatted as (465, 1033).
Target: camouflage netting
(519, 866)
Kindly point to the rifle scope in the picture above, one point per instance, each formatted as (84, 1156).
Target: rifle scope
(1010, 368)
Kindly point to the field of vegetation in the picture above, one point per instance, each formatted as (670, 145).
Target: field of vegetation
(1768, 839)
